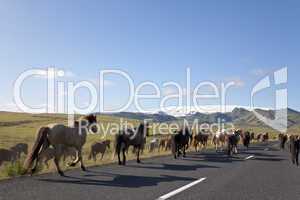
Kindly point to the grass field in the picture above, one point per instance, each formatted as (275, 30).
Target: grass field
(22, 127)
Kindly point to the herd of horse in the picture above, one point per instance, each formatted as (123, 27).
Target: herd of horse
(58, 140)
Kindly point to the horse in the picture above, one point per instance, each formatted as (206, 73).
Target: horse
(181, 141)
(60, 151)
(246, 138)
(294, 149)
(129, 137)
(259, 137)
(219, 139)
(232, 142)
(154, 144)
(58, 135)
(252, 136)
(99, 147)
(19, 149)
(7, 155)
(163, 143)
(265, 137)
(282, 139)
(200, 138)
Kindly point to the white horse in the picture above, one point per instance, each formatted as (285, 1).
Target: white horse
(58, 135)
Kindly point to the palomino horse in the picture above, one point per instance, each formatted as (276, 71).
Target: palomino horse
(129, 137)
(181, 141)
(233, 141)
(99, 147)
(219, 139)
(58, 135)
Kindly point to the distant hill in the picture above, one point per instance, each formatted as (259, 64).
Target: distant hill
(242, 116)
(156, 117)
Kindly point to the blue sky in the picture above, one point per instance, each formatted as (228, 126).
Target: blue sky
(151, 40)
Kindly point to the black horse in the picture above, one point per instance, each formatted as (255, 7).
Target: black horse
(282, 139)
(232, 142)
(129, 137)
(294, 149)
(246, 137)
(181, 142)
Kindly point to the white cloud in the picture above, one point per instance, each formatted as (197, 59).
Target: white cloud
(258, 72)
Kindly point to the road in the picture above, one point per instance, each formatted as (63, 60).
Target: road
(262, 172)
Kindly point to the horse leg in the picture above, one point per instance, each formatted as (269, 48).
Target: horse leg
(45, 146)
(138, 156)
(124, 156)
(178, 150)
(119, 152)
(81, 160)
(175, 151)
(183, 155)
(56, 162)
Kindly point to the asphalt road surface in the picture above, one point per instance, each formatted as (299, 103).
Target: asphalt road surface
(263, 172)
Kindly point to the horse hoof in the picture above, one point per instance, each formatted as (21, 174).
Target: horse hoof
(61, 173)
(83, 168)
(138, 161)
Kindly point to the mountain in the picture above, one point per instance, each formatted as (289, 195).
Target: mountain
(156, 117)
(244, 117)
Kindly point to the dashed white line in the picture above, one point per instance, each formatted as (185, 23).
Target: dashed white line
(249, 157)
(170, 194)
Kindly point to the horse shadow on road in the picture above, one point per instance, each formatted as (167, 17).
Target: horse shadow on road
(119, 180)
(213, 157)
(173, 167)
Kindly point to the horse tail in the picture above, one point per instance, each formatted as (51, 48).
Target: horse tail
(116, 145)
(39, 142)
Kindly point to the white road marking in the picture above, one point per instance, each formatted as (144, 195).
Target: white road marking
(170, 194)
(249, 157)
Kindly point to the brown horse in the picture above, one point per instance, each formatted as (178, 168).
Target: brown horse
(265, 137)
(200, 139)
(60, 151)
(19, 149)
(154, 144)
(7, 155)
(99, 147)
(59, 134)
